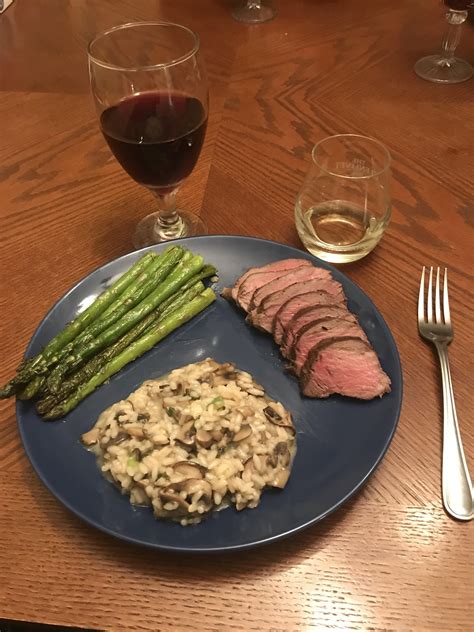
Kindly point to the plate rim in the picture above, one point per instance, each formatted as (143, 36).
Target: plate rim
(235, 547)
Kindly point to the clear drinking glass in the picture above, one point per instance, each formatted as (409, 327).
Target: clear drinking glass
(151, 94)
(344, 205)
(254, 11)
(445, 67)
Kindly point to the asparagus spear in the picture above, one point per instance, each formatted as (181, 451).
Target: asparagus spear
(136, 349)
(140, 287)
(154, 274)
(69, 361)
(32, 388)
(188, 291)
(156, 264)
(183, 271)
(95, 364)
(38, 364)
(207, 271)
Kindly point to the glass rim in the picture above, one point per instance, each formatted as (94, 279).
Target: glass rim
(138, 68)
(385, 151)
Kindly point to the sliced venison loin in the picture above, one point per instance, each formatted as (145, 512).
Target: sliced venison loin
(264, 316)
(276, 266)
(282, 282)
(305, 309)
(345, 365)
(323, 307)
(317, 332)
(255, 281)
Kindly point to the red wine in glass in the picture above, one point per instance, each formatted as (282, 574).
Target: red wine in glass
(150, 90)
(156, 136)
(458, 5)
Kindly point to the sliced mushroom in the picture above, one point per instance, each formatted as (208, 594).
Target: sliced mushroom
(175, 414)
(222, 369)
(244, 433)
(224, 373)
(207, 379)
(277, 420)
(160, 441)
(120, 416)
(144, 482)
(167, 496)
(90, 437)
(251, 388)
(189, 392)
(185, 435)
(217, 435)
(178, 389)
(249, 468)
(281, 478)
(204, 438)
(271, 414)
(134, 431)
(122, 436)
(193, 485)
(213, 364)
(272, 460)
(282, 453)
(246, 411)
(189, 469)
(143, 417)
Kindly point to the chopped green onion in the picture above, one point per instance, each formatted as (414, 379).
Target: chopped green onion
(132, 462)
(217, 402)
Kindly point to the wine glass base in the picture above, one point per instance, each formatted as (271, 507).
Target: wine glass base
(149, 231)
(253, 14)
(436, 68)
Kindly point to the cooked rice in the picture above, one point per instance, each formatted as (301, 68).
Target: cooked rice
(201, 438)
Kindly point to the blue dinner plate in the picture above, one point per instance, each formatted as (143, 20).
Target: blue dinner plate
(340, 441)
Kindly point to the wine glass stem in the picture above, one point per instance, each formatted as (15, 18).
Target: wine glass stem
(167, 214)
(453, 33)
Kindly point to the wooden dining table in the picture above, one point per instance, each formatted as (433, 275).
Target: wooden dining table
(390, 558)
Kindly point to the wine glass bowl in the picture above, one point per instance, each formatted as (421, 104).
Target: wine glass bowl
(151, 95)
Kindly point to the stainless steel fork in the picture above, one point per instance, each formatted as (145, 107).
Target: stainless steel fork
(456, 484)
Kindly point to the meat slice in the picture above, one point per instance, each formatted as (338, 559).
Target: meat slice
(257, 280)
(275, 266)
(319, 330)
(346, 365)
(322, 307)
(295, 276)
(264, 317)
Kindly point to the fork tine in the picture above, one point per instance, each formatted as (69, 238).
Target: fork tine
(447, 315)
(430, 297)
(437, 299)
(421, 298)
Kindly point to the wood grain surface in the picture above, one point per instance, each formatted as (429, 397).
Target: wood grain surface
(391, 559)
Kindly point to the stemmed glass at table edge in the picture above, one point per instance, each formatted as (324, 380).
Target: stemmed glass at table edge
(445, 67)
(254, 12)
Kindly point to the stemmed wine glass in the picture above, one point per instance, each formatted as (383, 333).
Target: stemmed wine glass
(445, 67)
(254, 11)
(151, 94)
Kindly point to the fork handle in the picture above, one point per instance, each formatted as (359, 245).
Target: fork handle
(456, 483)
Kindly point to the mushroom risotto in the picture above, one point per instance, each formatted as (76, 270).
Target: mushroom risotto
(200, 438)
